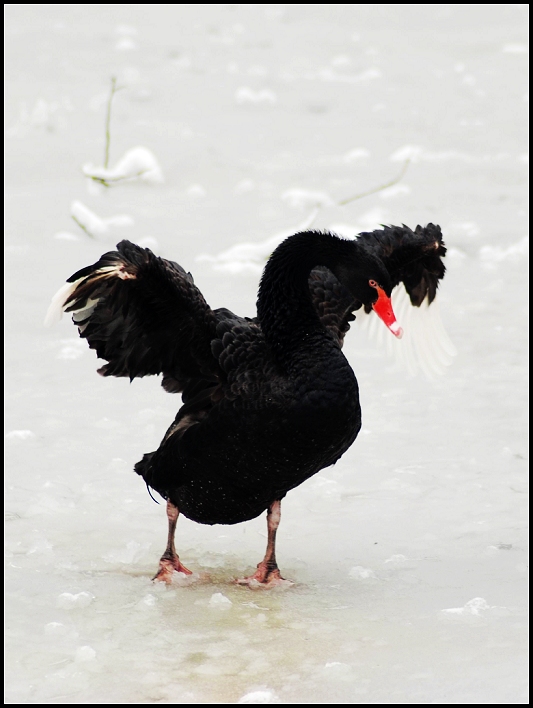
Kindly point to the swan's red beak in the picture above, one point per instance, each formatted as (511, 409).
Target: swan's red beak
(383, 309)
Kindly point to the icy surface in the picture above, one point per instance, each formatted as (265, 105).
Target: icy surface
(409, 555)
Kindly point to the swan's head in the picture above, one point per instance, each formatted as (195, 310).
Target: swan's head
(369, 281)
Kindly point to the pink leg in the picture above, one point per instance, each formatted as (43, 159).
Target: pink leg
(170, 561)
(267, 573)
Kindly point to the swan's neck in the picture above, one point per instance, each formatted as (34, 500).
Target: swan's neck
(284, 307)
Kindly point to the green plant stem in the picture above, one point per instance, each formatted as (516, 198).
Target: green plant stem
(84, 228)
(108, 120)
(377, 189)
(106, 180)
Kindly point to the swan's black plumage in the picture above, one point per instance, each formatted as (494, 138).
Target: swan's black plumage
(267, 402)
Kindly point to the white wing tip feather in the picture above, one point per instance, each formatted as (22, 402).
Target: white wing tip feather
(55, 310)
(57, 306)
(425, 345)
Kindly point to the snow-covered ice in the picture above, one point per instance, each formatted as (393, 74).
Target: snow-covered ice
(138, 163)
(409, 555)
(95, 225)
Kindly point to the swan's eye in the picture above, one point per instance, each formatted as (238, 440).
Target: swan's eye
(373, 284)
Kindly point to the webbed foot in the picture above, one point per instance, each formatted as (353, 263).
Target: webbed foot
(168, 565)
(266, 576)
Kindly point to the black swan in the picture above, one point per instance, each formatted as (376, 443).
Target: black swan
(267, 402)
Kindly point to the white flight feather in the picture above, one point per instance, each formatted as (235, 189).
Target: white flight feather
(57, 305)
(425, 344)
(55, 310)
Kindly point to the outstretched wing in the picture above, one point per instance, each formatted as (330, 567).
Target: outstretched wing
(414, 262)
(143, 315)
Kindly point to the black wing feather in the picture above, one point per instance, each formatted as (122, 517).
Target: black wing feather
(144, 315)
(333, 302)
(411, 257)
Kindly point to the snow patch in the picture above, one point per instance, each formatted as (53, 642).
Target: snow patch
(147, 601)
(85, 653)
(305, 198)
(72, 349)
(455, 255)
(20, 435)
(220, 601)
(148, 242)
(137, 164)
(263, 696)
(96, 225)
(396, 558)
(360, 573)
(195, 191)
(244, 94)
(355, 155)
(416, 153)
(66, 236)
(125, 41)
(71, 601)
(472, 607)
